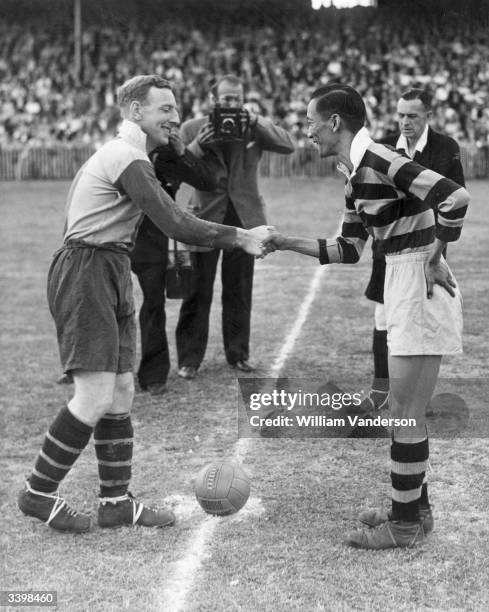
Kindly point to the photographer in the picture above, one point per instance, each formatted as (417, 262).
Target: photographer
(230, 142)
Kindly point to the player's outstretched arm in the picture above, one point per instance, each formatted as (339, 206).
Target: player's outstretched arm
(276, 241)
(139, 182)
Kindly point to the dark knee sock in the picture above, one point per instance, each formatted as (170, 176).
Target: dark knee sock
(424, 500)
(64, 441)
(408, 467)
(113, 437)
(381, 363)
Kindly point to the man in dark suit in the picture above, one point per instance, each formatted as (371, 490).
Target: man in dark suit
(236, 200)
(434, 151)
(174, 164)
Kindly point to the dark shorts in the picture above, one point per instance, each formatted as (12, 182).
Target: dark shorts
(91, 300)
(375, 287)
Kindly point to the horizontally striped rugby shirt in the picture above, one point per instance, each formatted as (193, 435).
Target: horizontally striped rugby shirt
(391, 198)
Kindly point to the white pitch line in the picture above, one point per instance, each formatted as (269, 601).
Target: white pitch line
(179, 585)
(301, 318)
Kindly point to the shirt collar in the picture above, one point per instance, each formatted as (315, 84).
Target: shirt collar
(359, 145)
(402, 142)
(131, 132)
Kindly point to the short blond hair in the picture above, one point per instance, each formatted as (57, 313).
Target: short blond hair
(137, 88)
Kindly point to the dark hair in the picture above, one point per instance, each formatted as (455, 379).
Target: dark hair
(137, 88)
(418, 94)
(342, 100)
(228, 78)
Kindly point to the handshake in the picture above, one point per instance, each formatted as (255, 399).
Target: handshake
(261, 240)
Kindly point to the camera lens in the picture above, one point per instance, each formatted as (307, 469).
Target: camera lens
(228, 125)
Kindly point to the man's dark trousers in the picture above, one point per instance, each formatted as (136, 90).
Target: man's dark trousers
(150, 268)
(237, 285)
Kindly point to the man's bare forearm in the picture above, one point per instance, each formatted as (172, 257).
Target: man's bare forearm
(310, 246)
(437, 250)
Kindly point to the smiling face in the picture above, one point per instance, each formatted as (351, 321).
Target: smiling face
(412, 117)
(157, 116)
(320, 131)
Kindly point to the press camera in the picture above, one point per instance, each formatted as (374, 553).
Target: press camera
(229, 123)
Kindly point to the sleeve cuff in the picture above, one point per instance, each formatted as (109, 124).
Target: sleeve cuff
(323, 252)
(226, 237)
(447, 234)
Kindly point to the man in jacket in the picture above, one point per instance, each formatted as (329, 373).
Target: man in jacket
(173, 165)
(432, 150)
(233, 157)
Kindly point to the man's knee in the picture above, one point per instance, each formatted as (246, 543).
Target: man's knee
(124, 386)
(123, 394)
(94, 394)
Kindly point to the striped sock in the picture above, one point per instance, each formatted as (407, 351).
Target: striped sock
(113, 446)
(381, 360)
(408, 465)
(64, 441)
(424, 500)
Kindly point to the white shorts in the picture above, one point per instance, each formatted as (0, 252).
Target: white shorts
(415, 324)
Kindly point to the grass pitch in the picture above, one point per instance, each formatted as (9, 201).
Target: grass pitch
(284, 551)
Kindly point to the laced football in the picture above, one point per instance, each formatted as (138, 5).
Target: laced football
(222, 488)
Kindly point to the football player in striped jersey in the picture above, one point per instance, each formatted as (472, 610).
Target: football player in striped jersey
(392, 198)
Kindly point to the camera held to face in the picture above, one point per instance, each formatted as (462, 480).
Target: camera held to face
(229, 124)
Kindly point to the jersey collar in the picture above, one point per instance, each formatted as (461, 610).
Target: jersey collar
(359, 146)
(131, 132)
(402, 142)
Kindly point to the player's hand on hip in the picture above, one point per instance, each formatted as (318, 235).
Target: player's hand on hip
(438, 273)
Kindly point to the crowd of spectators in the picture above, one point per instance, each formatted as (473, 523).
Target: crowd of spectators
(43, 99)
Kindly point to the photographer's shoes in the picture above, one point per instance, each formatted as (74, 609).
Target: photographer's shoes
(243, 366)
(190, 372)
(155, 388)
(187, 372)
